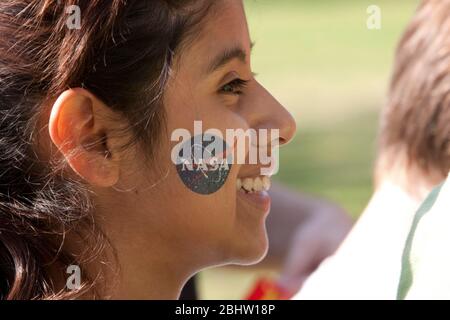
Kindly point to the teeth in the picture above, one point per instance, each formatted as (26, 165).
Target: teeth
(257, 184)
(248, 184)
(266, 183)
(253, 184)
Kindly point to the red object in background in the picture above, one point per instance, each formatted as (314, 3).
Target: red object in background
(266, 289)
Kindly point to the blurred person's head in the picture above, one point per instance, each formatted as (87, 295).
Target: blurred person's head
(86, 117)
(414, 143)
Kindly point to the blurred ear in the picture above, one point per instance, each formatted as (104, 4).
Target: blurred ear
(80, 126)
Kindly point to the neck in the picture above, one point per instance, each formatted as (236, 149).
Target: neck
(153, 270)
(390, 196)
(131, 267)
(396, 170)
(125, 270)
(398, 195)
(147, 280)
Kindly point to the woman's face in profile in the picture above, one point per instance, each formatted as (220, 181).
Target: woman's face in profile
(212, 82)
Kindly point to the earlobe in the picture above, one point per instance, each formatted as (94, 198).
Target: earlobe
(77, 129)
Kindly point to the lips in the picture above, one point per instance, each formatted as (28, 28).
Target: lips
(253, 191)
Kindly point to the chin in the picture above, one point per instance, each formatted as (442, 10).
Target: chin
(251, 250)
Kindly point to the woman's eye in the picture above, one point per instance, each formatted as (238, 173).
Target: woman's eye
(234, 87)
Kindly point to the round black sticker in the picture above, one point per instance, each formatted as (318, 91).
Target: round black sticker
(204, 163)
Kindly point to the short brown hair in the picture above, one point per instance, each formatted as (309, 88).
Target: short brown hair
(416, 119)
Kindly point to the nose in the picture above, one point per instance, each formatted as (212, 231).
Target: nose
(268, 113)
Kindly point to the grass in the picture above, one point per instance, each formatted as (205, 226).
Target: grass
(320, 60)
(334, 162)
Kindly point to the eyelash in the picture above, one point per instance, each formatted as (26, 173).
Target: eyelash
(237, 85)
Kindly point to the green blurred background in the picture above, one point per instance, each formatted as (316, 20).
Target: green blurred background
(318, 58)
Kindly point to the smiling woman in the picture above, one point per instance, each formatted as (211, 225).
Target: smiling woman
(86, 119)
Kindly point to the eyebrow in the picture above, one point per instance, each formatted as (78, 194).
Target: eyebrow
(228, 55)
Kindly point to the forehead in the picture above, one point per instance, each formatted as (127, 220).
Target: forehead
(225, 28)
(228, 21)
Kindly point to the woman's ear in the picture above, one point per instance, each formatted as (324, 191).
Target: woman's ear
(80, 126)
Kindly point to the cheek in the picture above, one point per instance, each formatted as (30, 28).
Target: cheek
(215, 212)
(213, 215)
(206, 219)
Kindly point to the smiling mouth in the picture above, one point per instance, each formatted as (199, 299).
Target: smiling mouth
(253, 185)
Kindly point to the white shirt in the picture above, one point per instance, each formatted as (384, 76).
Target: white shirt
(368, 263)
(427, 256)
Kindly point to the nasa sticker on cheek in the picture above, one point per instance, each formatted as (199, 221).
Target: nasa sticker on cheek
(204, 163)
